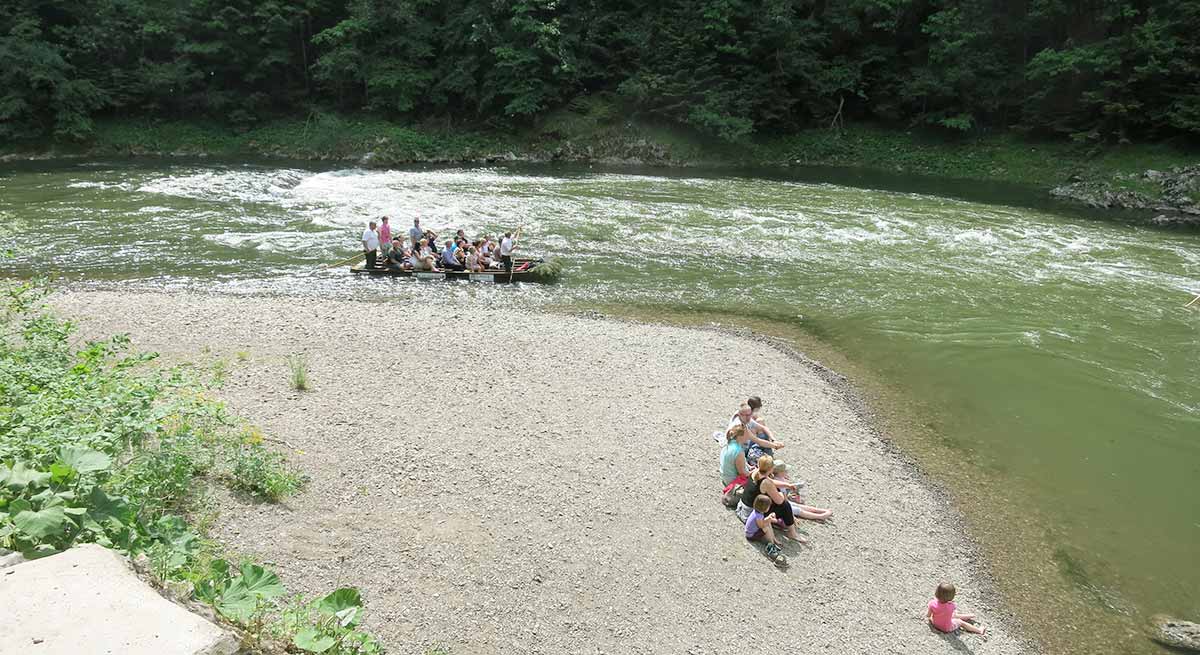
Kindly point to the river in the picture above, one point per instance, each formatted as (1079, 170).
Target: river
(1037, 362)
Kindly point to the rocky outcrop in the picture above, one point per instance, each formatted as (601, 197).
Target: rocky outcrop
(1176, 633)
(1174, 196)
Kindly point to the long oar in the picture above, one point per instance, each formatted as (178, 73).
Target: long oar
(352, 261)
(513, 269)
(1193, 301)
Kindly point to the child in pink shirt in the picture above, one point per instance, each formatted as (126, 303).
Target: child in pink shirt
(942, 614)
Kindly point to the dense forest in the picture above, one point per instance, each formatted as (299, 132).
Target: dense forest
(1106, 70)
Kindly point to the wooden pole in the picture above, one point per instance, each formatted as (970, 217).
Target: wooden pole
(352, 261)
(1193, 301)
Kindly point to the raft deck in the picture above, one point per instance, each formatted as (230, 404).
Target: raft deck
(524, 270)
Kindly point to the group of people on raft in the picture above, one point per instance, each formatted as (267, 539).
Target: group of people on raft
(767, 500)
(420, 252)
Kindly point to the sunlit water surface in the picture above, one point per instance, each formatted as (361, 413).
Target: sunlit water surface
(1051, 352)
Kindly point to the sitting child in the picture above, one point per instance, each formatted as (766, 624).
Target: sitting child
(792, 490)
(760, 526)
(942, 612)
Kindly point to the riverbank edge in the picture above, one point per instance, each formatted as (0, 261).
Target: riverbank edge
(1158, 181)
(864, 406)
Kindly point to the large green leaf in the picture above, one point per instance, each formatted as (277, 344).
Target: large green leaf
(85, 460)
(61, 472)
(19, 476)
(261, 582)
(45, 523)
(237, 602)
(175, 533)
(339, 600)
(106, 512)
(311, 640)
(19, 505)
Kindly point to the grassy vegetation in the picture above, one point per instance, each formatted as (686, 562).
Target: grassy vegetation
(1001, 157)
(298, 365)
(323, 136)
(591, 130)
(98, 447)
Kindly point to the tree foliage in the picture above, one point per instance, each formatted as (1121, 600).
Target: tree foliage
(1098, 69)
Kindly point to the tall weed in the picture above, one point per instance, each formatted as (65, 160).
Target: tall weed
(298, 366)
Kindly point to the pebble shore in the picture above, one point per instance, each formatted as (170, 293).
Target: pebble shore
(513, 481)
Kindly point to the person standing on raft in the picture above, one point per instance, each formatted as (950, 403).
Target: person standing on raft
(370, 241)
(415, 234)
(507, 244)
(385, 238)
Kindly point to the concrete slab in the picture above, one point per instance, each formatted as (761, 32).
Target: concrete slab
(89, 600)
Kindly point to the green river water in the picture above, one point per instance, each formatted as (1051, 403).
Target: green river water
(1039, 363)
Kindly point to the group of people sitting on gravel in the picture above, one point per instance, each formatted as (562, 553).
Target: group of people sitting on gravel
(758, 484)
(420, 252)
(767, 500)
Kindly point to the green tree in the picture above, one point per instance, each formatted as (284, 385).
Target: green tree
(40, 90)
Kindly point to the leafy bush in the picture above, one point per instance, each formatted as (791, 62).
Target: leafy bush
(238, 594)
(549, 269)
(328, 625)
(263, 472)
(97, 448)
(67, 414)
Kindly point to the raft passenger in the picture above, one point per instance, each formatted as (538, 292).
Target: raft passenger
(385, 238)
(506, 250)
(449, 260)
(425, 258)
(370, 241)
(415, 233)
(398, 256)
(473, 261)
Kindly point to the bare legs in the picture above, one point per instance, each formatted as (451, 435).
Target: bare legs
(811, 513)
(769, 531)
(961, 621)
(795, 536)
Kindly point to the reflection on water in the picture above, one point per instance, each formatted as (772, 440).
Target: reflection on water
(1054, 349)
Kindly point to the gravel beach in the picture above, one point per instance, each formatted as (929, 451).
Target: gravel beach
(511, 481)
